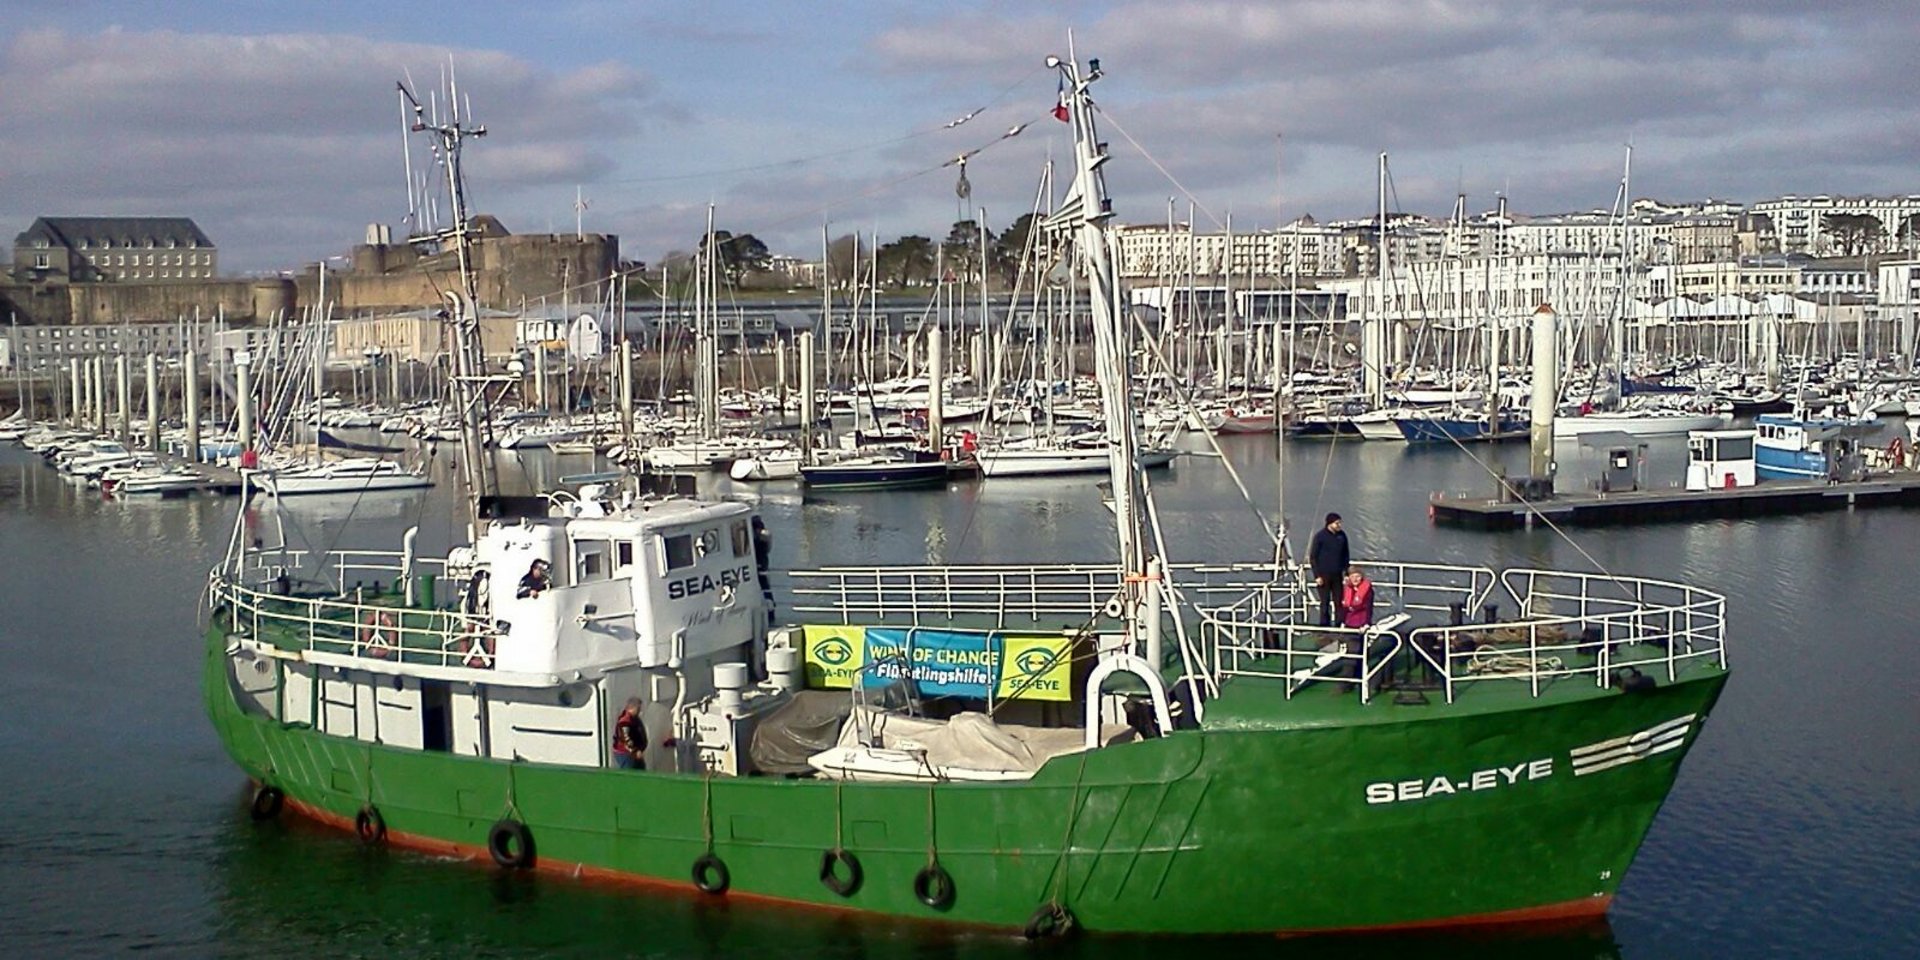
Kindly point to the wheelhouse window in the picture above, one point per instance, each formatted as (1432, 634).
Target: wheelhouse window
(591, 560)
(742, 539)
(622, 554)
(677, 552)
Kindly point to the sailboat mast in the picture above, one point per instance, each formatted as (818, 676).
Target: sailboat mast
(1373, 333)
(1626, 273)
(706, 332)
(826, 326)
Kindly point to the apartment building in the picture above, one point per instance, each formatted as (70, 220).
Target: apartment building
(113, 249)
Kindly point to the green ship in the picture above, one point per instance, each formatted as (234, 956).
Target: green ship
(1187, 755)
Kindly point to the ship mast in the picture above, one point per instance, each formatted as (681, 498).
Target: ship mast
(1086, 211)
(469, 377)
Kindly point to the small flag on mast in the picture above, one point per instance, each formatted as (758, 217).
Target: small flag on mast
(1060, 105)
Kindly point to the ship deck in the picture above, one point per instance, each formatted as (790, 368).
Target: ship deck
(1408, 691)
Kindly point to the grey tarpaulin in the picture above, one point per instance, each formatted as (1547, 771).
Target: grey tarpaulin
(808, 724)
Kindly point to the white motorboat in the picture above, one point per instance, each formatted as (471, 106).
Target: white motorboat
(533, 436)
(699, 455)
(1382, 424)
(95, 458)
(772, 465)
(1653, 422)
(355, 475)
(1041, 458)
(152, 480)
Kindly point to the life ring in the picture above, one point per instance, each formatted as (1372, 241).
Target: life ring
(370, 826)
(830, 863)
(267, 802)
(933, 886)
(511, 844)
(1051, 920)
(374, 634)
(710, 874)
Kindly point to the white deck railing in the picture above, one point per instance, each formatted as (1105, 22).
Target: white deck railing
(1242, 619)
(375, 633)
(348, 567)
(1248, 622)
(266, 606)
(1567, 618)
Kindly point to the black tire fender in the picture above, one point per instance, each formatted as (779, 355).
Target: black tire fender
(1050, 921)
(832, 863)
(511, 844)
(267, 803)
(370, 826)
(933, 886)
(710, 874)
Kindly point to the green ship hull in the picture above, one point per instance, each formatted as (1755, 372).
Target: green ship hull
(1311, 814)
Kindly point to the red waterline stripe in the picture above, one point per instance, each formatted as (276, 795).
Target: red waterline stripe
(1583, 909)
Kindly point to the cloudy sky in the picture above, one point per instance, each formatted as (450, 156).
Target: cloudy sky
(276, 126)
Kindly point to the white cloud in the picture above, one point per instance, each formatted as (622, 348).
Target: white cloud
(1535, 99)
(280, 146)
(283, 145)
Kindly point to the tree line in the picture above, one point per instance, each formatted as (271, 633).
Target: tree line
(743, 260)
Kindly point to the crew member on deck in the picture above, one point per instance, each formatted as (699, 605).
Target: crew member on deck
(1356, 600)
(536, 580)
(630, 738)
(1327, 556)
(1356, 613)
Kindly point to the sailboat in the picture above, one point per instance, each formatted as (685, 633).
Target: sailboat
(934, 745)
(291, 471)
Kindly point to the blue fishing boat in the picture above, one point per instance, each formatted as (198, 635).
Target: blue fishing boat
(1790, 447)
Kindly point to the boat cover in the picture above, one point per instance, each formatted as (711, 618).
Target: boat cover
(807, 724)
(968, 741)
(328, 441)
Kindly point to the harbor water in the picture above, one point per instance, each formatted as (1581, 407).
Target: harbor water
(1794, 829)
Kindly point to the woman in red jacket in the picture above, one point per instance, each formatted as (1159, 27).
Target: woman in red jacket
(1356, 600)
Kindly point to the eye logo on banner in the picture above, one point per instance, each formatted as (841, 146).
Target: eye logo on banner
(833, 651)
(1032, 661)
(832, 655)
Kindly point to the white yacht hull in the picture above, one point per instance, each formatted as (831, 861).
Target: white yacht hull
(1638, 424)
(1379, 425)
(756, 468)
(287, 485)
(1056, 461)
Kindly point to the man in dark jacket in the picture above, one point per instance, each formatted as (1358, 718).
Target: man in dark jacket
(1327, 557)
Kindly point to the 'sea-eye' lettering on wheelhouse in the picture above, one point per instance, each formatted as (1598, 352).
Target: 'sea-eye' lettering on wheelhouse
(694, 586)
(1440, 785)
